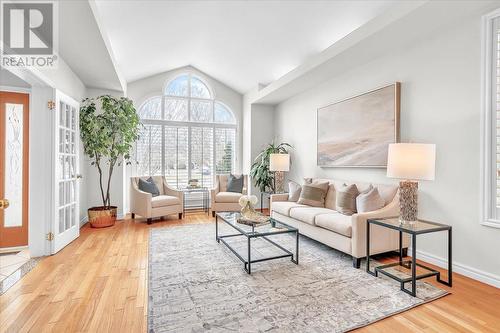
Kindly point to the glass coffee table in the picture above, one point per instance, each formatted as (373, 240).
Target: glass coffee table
(274, 227)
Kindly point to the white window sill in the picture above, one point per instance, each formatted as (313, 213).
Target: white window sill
(491, 223)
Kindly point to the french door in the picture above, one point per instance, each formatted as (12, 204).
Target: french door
(14, 171)
(66, 226)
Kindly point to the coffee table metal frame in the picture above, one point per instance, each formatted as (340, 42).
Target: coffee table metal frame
(255, 234)
(409, 264)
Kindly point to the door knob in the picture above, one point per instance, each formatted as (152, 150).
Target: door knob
(4, 203)
(79, 176)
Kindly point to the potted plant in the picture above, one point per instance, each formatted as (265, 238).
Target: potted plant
(261, 176)
(109, 127)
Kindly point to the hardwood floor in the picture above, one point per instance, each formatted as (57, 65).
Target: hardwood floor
(98, 283)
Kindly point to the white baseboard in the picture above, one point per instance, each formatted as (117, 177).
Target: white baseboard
(84, 220)
(473, 273)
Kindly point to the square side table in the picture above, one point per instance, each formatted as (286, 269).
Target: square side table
(417, 228)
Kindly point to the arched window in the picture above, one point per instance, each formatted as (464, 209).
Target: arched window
(187, 134)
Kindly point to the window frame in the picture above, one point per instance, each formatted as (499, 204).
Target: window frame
(191, 124)
(489, 212)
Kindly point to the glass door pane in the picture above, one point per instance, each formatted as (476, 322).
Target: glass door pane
(14, 164)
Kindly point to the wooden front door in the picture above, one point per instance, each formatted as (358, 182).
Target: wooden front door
(14, 152)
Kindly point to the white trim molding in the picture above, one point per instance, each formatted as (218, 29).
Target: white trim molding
(473, 273)
(488, 210)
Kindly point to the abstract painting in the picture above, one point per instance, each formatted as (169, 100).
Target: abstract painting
(356, 132)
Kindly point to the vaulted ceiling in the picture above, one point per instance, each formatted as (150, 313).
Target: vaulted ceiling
(240, 43)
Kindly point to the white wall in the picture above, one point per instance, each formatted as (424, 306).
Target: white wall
(261, 134)
(441, 97)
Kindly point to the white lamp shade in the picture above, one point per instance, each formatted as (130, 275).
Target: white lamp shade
(279, 162)
(412, 161)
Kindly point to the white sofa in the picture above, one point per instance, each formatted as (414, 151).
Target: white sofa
(170, 201)
(342, 232)
(223, 201)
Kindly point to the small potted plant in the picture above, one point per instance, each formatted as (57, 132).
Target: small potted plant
(109, 126)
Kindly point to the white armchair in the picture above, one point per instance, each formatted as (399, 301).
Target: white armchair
(223, 201)
(170, 201)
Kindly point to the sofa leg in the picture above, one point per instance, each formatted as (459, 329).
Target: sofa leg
(150, 221)
(405, 252)
(356, 262)
(213, 213)
(180, 216)
(132, 215)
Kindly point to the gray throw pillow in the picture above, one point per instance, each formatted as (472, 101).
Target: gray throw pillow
(149, 186)
(346, 199)
(235, 184)
(368, 202)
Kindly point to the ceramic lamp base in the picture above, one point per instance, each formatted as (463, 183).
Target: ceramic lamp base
(408, 201)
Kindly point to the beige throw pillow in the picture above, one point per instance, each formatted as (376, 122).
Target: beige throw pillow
(368, 202)
(346, 199)
(294, 190)
(313, 194)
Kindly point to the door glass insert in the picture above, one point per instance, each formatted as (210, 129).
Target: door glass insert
(14, 164)
(67, 167)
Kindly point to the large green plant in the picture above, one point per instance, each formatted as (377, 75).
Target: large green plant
(260, 174)
(109, 126)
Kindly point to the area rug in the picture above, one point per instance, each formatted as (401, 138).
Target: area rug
(198, 285)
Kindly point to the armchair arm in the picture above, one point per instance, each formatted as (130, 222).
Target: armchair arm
(172, 191)
(140, 202)
(214, 191)
(382, 239)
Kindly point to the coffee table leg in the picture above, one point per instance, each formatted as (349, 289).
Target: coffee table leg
(249, 270)
(296, 248)
(217, 229)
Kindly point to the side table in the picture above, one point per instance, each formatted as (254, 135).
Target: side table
(415, 228)
(205, 200)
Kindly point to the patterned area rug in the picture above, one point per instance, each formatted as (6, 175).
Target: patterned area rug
(198, 285)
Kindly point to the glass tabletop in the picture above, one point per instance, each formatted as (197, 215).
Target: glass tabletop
(419, 226)
(273, 227)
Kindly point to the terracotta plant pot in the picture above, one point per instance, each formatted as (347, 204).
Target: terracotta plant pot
(101, 217)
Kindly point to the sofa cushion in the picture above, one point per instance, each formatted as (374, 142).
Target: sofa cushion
(336, 222)
(308, 214)
(369, 201)
(346, 199)
(330, 197)
(283, 207)
(313, 194)
(294, 190)
(164, 200)
(227, 197)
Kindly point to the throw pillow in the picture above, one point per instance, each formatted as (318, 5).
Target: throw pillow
(294, 190)
(235, 184)
(367, 202)
(149, 186)
(313, 194)
(346, 199)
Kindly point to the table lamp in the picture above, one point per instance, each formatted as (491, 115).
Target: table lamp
(279, 163)
(411, 162)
